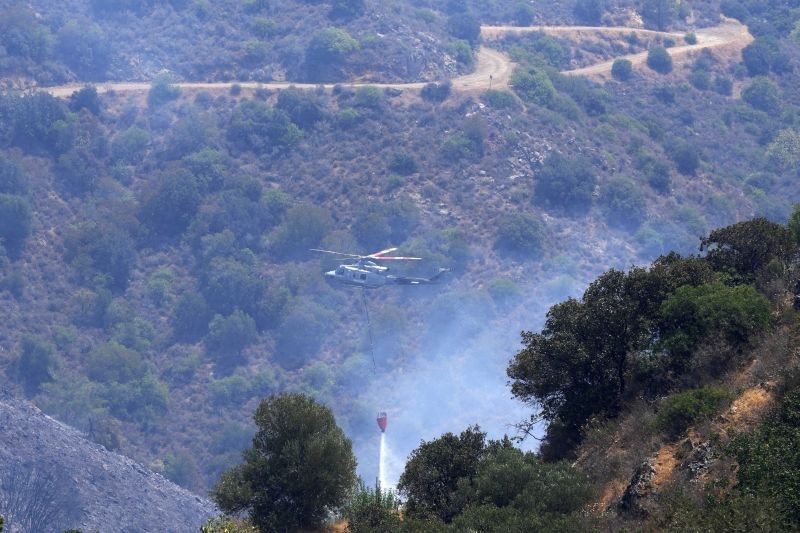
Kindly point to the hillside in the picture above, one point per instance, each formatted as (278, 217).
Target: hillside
(155, 274)
(54, 479)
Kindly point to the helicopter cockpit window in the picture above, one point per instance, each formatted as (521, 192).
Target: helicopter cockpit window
(340, 271)
(363, 276)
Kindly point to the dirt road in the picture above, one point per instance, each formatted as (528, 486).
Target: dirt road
(492, 68)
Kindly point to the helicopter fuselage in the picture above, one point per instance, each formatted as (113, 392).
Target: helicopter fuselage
(359, 275)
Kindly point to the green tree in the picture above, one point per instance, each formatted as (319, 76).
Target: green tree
(129, 146)
(745, 248)
(228, 336)
(692, 313)
(86, 50)
(784, 151)
(78, 170)
(433, 470)
(172, 206)
(86, 98)
(685, 155)
(534, 86)
(589, 11)
(464, 26)
(578, 366)
(659, 60)
(622, 69)
(762, 94)
(37, 363)
(299, 469)
(565, 184)
(623, 204)
(162, 90)
(13, 179)
(190, 317)
(659, 14)
(347, 9)
(518, 233)
(329, 49)
(794, 225)
(517, 491)
(15, 221)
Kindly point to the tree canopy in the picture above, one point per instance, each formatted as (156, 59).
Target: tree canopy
(299, 468)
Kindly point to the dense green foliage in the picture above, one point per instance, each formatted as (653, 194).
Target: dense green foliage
(659, 60)
(372, 510)
(434, 469)
(638, 331)
(678, 411)
(622, 69)
(299, 468)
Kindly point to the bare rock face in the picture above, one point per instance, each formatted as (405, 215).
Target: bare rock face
(639, 490)
(52, 479)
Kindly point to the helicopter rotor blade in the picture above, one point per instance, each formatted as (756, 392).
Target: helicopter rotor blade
(394, 258)
(377, 255)
(336, 253)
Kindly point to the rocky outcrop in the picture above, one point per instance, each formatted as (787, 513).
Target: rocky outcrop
(638, 491)
(52, 478)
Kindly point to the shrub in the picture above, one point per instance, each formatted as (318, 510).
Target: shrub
(623, 204)
(37, 363)
(129, 146)
(303, 107)
(85, 49)
(692, 313)
(461, 51)
(78, 170)
(565, 184)
(433, 471)
(622, 69)
(521, 234)
(464, 26)
(15, 221)
(228, 336)
(523, 15)
(436, 92)
(745, 248)
(300, 335)
(113, 363)
(500, 99)
(589, 11)
(304, 227)
(257, 127)
(763, 95)
(659, 14)
(327, 50)
(534, 86)
(86, 98)
(190, 317)
(12, 179)
(369, 97)
(723, 85)
(685, 156)
(169, 210)
(104, 249)
(162, 90)
(659, 60)
(372, 510)
(769, 458)
(690, 38)
(403, 163)
(679, 411)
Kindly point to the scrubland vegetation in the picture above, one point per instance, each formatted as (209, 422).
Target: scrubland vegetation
(156, 280)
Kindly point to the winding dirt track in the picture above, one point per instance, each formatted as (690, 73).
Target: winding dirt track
(493, 68)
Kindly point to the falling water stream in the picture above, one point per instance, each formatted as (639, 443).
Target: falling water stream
(382, 464)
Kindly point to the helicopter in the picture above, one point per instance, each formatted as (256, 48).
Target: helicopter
(365, 272)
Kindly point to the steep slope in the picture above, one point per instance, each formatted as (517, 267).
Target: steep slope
(44, 462)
